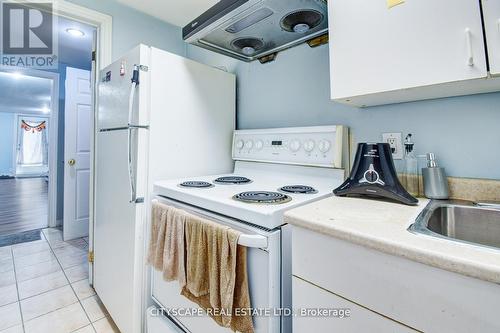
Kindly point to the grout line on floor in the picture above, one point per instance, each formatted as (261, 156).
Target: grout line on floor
(78, 300)
(83, 327)
(71, 286)
(50, 312)
(41, 293)
(17, 288)
(30, 265)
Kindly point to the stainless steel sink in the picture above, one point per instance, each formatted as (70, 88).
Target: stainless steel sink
(461, 221)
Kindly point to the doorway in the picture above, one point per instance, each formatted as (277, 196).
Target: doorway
(50, 136)
(28, 107)
(52, 270)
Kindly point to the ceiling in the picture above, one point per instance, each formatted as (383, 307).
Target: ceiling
(75, 51)
(26, 94)
(19, 93)
(176, 12)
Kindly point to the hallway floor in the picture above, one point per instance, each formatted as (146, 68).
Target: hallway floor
(23, 205)
(44, 288)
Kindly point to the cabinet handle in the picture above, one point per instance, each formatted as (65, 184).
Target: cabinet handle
(468, 37)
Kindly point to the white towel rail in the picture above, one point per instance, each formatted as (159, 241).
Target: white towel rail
(245, 240)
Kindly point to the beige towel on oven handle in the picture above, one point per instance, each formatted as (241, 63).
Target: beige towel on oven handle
(216, 272)
(166, 246)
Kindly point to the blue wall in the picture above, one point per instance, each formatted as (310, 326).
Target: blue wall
(131, 27)
(294, 90)
(6, 143)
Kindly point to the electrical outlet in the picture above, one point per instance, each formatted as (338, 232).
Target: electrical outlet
(395, 140)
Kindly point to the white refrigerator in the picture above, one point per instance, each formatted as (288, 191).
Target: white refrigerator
(160, 116)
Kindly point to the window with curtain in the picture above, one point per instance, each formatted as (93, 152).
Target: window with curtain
(33, 144)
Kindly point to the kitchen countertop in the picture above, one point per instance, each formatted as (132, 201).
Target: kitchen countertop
(383, 225)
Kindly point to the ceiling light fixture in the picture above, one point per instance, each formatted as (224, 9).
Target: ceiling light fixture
(45, 109)
(75, 32)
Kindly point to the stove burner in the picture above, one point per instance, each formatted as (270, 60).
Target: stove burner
(300, 189)
(229, 180)
(262, 197)
(196, 184)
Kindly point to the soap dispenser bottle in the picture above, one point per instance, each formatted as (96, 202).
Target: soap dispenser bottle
(435, 180)
(410, 175)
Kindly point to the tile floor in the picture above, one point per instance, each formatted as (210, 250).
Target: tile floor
(44, 288)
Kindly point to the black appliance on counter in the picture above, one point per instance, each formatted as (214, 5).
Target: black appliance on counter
(374, 174)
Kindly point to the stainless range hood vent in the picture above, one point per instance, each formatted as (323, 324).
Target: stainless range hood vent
(257, 29)
(250, 20)
(301, 21)
(248, 46)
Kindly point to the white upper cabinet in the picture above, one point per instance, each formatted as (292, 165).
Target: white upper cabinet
(382, 55)
(491, 14)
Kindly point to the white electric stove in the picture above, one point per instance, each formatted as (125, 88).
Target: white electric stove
(275, 170)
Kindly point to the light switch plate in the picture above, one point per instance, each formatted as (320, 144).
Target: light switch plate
(395, 140)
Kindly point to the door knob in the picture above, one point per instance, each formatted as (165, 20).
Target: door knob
(72, 162)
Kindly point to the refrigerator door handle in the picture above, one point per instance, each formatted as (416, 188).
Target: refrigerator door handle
(130, 128)
(131, 173)
(133, 86)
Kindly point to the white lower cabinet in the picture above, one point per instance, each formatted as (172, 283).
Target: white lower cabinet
(385, 289)
(309, 299)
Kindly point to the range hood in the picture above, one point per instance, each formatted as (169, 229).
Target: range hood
(257, 29)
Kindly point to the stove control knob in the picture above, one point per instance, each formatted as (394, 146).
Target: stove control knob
(324, 146)
(249, 144)
(295, 145)
(309, 145)
(240, 144)
(259, 145)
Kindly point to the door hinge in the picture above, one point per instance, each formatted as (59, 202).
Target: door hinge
(91, 256)
(93, 55)
(143, 68)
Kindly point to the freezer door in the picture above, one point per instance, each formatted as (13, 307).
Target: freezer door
(192, 118)
(118, 238)
(115, 87)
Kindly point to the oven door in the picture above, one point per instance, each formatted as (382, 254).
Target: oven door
(264, 267)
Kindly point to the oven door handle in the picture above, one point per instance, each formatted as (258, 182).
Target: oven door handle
(253, 241)
(245, 240)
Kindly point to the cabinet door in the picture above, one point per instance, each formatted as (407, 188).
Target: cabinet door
(310, 297)
(491, 13)
(418, 43)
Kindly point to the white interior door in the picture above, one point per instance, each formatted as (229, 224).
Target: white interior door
(77, 132)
